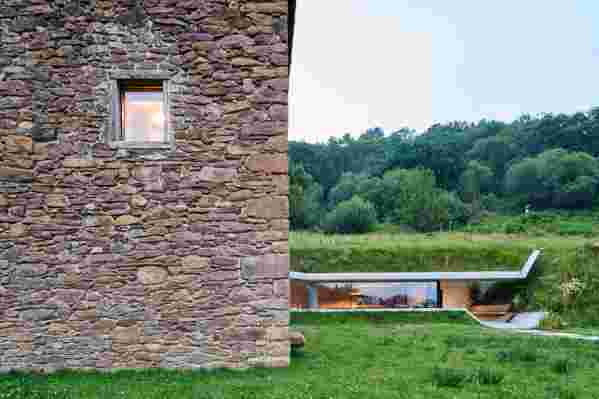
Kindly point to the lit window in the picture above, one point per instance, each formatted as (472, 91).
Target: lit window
(142, 106)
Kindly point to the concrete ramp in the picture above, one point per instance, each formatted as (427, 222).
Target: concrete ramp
(522, 321)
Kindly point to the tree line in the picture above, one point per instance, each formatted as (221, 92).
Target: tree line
(446, 175)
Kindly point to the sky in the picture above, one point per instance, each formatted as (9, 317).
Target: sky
(411, 63)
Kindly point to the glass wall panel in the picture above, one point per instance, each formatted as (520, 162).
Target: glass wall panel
(398, 295)
(368, 295)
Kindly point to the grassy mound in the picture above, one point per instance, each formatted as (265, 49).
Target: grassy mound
(319, 253)
(566, 262)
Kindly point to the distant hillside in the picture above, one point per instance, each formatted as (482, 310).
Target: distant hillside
(548, 161)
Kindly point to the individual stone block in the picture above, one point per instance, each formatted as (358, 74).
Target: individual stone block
(18, 144)
(195, 264)
(265, 266)
(152, 275)
(268, 208)
(268, 163)
(76, 163)
(17, 174)
(125, 220)
(217, 175)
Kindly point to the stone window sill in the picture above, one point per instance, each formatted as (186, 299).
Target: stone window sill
(141, 145)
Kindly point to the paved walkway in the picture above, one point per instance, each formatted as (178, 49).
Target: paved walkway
(563, 335)
(522, 321)
(529, 322)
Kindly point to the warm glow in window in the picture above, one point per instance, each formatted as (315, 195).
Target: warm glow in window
(143, 111)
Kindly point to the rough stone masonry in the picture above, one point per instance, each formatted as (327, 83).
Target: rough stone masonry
(169, 256)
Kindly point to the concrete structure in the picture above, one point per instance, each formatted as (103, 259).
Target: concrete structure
(169, 252)
(453, 288)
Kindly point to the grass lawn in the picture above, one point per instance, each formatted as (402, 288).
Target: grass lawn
(389, 356)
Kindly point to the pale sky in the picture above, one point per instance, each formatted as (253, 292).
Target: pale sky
(410, 63)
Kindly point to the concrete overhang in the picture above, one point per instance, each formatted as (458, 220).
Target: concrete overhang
(418, 276)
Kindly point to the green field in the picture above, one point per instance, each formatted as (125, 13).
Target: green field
(392, 356)
(580, 223)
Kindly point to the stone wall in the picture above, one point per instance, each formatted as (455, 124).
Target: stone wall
(116, 257)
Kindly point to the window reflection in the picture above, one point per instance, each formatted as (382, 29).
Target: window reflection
(143, 116)
(398, 295)
(369, 295)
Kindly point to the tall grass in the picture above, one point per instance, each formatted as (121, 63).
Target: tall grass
(379, 252)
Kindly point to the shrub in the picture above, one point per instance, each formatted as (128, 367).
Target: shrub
(449, 377)
(514, 228)
(552, 321)
(490, 202)
(353, 216)
(572, 287)
(456, 341)
(520, 354)
(575, 229)
(455, 377)
(31, 388)
(563, 365)
(487, 376)
(560, 392)
(519, 302)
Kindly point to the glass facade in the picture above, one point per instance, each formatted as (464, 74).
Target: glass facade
(379, 295)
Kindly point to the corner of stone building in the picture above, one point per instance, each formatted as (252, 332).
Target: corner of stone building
(136, 257)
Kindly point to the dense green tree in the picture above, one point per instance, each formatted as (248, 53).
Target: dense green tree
(349, 184)
(547, 160)
(555, 178)
(495, 151)
(353, 216)
(305, 196)
(476, 180)
(420, 200)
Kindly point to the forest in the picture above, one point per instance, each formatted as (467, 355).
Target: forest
(446, 177)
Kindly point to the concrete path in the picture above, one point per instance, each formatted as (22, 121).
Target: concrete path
(522, 321)
(562, 335)
(529, 322)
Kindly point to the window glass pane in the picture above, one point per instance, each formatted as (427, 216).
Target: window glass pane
(143, 118)
(373, 295)
(398, 295)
